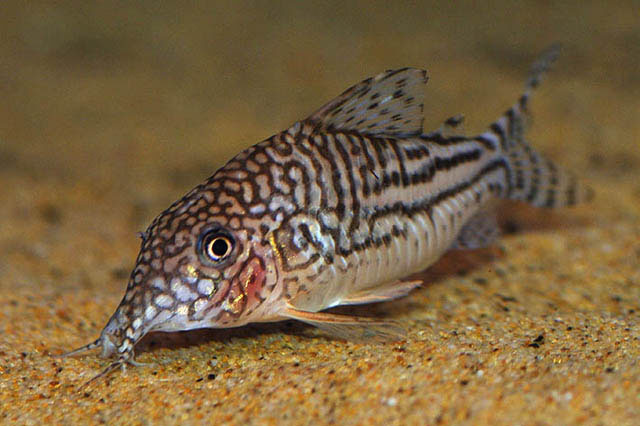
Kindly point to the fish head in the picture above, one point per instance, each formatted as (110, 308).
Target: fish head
(202, 263)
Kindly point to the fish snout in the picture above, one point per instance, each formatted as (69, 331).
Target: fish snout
(107, 344)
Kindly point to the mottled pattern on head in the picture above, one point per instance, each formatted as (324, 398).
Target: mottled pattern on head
(174, 285)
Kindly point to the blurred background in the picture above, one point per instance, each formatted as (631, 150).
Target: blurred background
(111, 110)
(169, 90)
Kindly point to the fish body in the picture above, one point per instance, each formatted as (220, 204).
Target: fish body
(335, 210)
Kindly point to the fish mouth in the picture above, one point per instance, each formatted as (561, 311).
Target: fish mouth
(104, 341)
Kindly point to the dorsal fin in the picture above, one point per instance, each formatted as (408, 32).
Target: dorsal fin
(390, 104)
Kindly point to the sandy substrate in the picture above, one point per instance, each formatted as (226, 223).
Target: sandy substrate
(109, 113)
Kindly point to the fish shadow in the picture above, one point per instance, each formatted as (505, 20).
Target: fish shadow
(185, 339)
(513, 218)
(520, 218)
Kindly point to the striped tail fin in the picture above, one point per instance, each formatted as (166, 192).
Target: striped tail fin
(533, 178)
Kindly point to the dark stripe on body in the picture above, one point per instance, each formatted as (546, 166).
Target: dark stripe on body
(355, 199)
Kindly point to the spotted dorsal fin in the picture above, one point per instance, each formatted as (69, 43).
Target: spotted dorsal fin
(390, 104)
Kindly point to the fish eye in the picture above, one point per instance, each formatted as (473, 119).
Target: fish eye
(216, 245)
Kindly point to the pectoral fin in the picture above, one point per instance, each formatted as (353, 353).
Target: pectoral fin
(479, 232)
(349, 327)
(381, 293)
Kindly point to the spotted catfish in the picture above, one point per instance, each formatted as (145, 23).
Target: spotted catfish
(335, 210)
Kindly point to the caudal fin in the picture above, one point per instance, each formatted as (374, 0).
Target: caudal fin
(532, 177)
